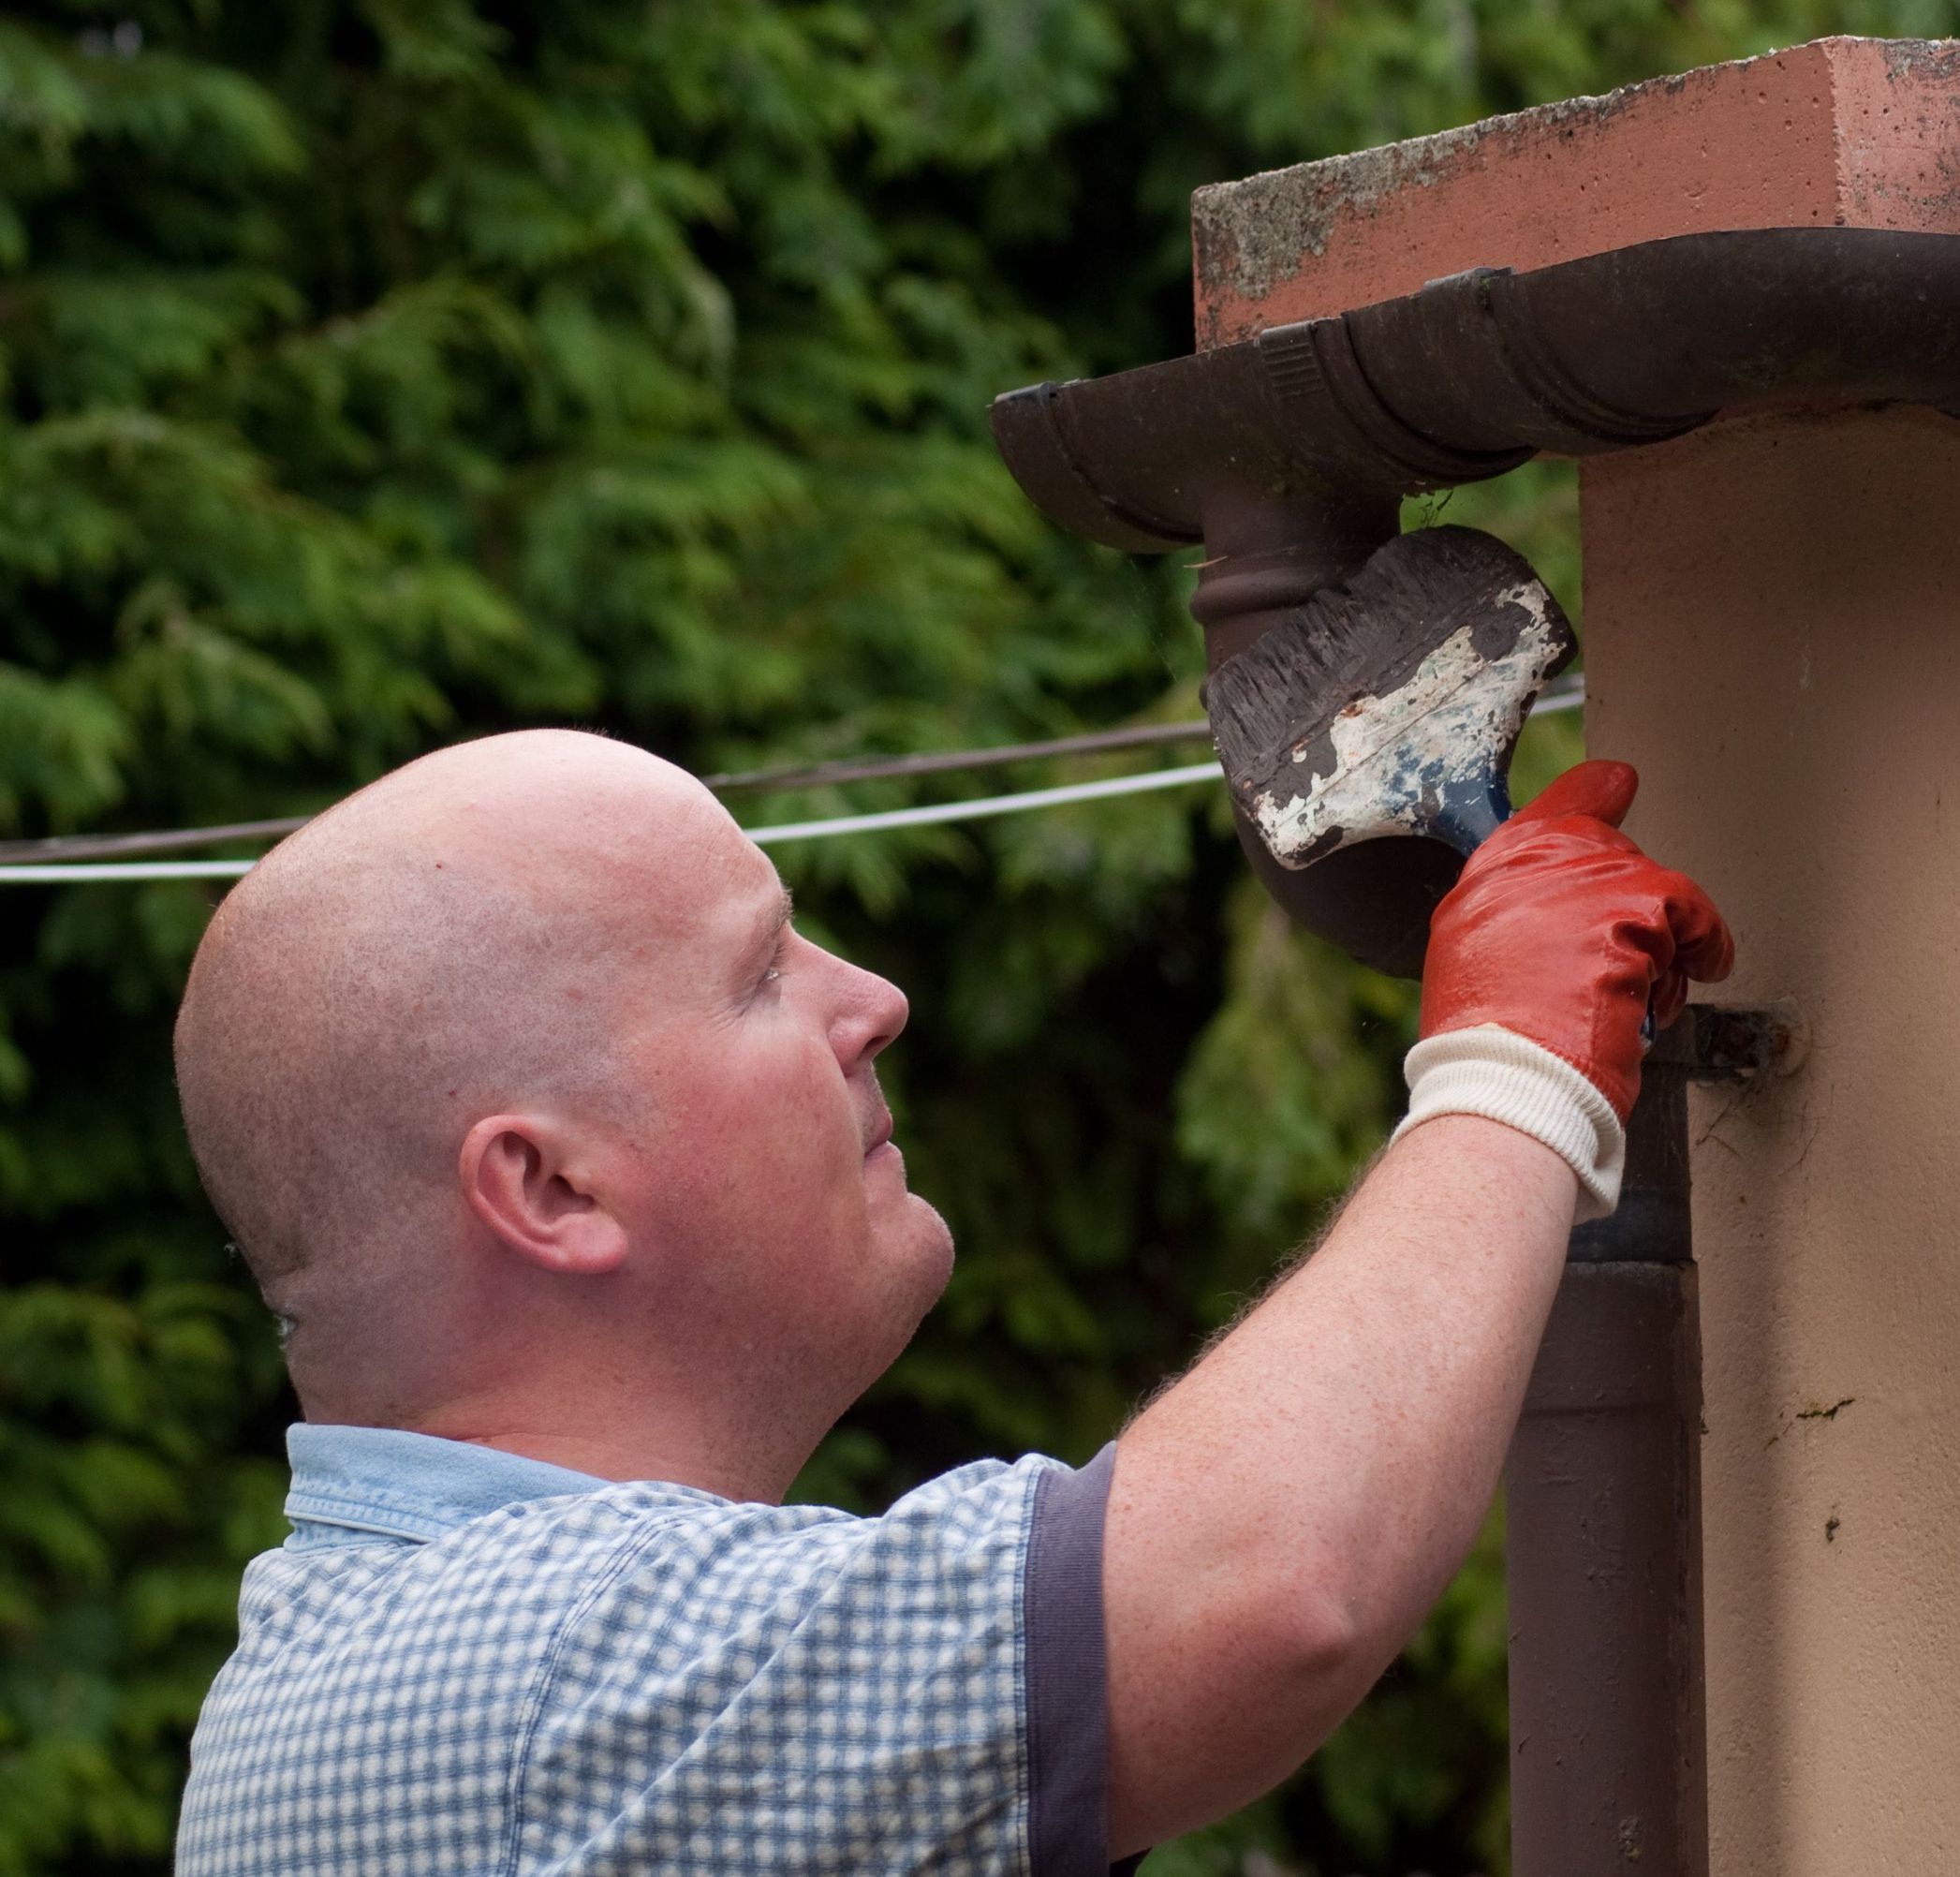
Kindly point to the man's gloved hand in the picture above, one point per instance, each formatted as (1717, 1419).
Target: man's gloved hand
(1543, 961)
(1562, 930)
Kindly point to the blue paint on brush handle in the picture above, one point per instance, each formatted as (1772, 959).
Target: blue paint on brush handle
(1468, 813)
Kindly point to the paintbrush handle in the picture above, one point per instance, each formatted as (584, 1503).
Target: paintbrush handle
(1471, 812)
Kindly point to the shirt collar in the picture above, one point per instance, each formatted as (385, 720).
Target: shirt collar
(388, 1480)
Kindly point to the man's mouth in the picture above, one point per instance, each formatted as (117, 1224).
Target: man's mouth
(881, 1132)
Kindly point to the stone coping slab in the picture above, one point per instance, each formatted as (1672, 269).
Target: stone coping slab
(1846, 132)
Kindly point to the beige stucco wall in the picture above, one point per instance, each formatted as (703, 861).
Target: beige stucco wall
(1773, 635)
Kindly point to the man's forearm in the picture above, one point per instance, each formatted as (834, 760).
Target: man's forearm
(1282, 1517)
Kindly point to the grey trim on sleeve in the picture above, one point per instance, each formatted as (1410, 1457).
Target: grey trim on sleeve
(1067, 1692)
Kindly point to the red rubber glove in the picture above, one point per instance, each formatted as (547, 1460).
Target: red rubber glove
(1562, 930)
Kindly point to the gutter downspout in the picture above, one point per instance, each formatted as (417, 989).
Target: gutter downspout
(1602, 1534)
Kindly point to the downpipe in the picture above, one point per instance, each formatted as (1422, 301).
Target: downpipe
(1603, 1555)
(1609, 1767)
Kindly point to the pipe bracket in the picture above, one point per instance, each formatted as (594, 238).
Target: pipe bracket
(1717, 1044)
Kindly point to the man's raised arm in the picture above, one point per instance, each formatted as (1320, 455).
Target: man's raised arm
(1281, 1518)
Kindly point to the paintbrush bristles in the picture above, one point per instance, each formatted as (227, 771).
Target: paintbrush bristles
(1273, 705)
(1302, 672)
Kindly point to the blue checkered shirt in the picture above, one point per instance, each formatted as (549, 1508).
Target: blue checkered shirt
(467, 1662)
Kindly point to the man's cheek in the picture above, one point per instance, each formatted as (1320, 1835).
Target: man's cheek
(790, 1107)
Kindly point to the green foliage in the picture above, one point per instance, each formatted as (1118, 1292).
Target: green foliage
(379, 372)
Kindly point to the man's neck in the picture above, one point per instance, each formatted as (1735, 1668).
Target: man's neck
(622, 1447)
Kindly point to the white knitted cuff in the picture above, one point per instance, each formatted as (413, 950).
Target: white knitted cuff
(1491, 1071)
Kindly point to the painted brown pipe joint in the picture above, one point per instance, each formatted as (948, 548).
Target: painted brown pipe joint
(1265, 556)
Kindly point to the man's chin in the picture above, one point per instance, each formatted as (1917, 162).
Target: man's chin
(919, 1242)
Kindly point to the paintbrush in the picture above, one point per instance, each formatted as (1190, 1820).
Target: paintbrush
(1389, 706)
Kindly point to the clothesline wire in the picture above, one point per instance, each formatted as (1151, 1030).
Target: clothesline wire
(64, 858)
(778, 779)
(930, 812)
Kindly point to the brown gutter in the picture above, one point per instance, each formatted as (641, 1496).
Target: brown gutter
(1287, 455)
(1476, 373)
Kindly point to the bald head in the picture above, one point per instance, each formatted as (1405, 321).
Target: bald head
(541, 1124)
(452, 940)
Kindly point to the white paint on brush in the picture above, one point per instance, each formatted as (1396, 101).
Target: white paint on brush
(1456, 712)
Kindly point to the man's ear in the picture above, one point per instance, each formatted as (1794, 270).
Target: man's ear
(531, 1182)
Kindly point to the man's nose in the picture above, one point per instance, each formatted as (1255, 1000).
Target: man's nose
(872, 1011)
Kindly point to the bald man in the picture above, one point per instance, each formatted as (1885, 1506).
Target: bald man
(559, 1153)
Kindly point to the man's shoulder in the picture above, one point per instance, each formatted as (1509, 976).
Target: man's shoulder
(524, 1564)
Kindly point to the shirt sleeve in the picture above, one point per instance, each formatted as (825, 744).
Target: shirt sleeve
(788, 1688)
(1068, 1680)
